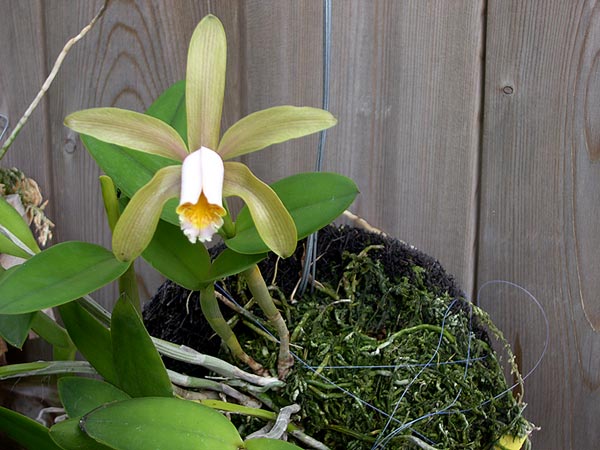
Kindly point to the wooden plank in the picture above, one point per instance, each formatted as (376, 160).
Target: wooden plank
(539, 205)
(282, 66)
(405, 86)
(407, 91)
(134, 53)
(22, 72)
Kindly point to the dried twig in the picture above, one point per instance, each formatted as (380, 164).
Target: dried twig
(50, 79)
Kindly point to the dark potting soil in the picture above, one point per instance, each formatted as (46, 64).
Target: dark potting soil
(174, 313)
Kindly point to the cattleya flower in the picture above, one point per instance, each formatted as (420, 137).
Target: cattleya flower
(201, 174)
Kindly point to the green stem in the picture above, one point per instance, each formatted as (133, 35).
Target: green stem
(191, 356)
(228, 225)
(258, 288)
(128, 281)
(45, 368)
(128, 287)
(212, 313)
(46, 328)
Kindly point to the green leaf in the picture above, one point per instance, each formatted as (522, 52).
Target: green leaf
(313, 199)
(15, 328)
(230, 263)
(138, 365)
(161, 424)
(269, 444)
(91, 338)
(205, 83)
(138, 222)
(13, 222)
(170, 108)
(81, 395)
(69, 436)
(272, 220)
(25, 431)
(129, 129)
(272, 126)
(58, 275)
(173, 255)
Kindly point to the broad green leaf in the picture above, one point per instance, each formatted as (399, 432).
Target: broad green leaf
(81, 395)
(129, 129)
(25, 431)
(15, 328)
(273, 221)
(170, 108)
(139, 367)
(13, 222)
(269, 444)
(69, 436)
(173, 255)
(230, 263)
(205, 83)
(313, 199)
(138, 222)
(91, 338)
(272, 126)
(161, 424)
(58, 275)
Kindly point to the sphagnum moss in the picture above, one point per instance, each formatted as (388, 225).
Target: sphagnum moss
(383, 305)
(374, 345)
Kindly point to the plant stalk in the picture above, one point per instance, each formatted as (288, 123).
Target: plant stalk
(127, 281)
(212, 313)
(45, 327)
(260, 292)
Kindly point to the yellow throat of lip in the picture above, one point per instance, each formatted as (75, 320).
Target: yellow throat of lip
(202, 214)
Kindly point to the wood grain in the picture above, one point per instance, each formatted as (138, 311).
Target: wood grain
(22, 72)
(405, 88)
(539, 208)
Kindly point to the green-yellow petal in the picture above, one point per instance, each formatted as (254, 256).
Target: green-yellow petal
(273, 222)
(137, 224)
(205, 83)
(129, 129)
(509, 442)
(272, 126)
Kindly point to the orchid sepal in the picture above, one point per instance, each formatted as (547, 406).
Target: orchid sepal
(205, 83)
(272, 126)
(273, 221)
(137, 224)
(129, 129)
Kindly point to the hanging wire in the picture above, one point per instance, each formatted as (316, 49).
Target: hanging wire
(310, 261)
(5, 125)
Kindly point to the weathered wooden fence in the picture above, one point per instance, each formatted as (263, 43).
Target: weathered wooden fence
(472, 128)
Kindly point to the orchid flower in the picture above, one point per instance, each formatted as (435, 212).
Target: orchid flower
(201, 174)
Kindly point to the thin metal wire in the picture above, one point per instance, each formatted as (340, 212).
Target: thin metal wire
(4, 126)
(310, 261)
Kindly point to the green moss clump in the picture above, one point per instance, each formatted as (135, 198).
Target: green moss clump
(372, 347)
